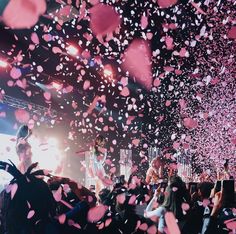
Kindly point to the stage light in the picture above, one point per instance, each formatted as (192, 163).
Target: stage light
(56, 85)
(107, 73)
(72, 50)
(3, 64)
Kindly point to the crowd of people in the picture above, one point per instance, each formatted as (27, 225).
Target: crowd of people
(36, 202)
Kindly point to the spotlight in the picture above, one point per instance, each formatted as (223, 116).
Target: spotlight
(3, 63)
(72, 50)
(108, 72)
(56, 85)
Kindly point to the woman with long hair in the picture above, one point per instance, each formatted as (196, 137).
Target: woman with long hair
(175, 195)
(99, 154)
(23, 148)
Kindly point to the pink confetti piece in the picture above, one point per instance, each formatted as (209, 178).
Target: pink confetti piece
(96, 213)
(140, 67)
(30, 214)
(174, 189)
(15, 73)
(190, 123)
(108, 222)
(166, 3)
(169, 43)
(47, 96)
(113, 170)
(199, 9)
(157, 82)
(86, 84)
(232, 33)
(171, 223)
(135, 142)
(62, 219)
(143, 227)
(56, 50)
(132, 200)
(152, 230)
(22, 116)
(98, 20)
(144, 21)
(20, 14)
(125, 92)
(185, 206)
(39, 69)
(34, 38)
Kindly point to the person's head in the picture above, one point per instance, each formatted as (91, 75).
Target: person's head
(204, 189)
(23, 132)
(100, 141)
(176, 194)
(156, 163)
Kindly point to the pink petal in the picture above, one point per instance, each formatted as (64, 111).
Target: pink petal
(22, 116)
(86, 84)
(232, 33)
(47, 95)
(174, 189)
(143, 227)
(152, 230)
(171, 223)
(21, 14)
(34, 38)
(62, 219)
(99, 22)
(169, 43)
(15, 73)
(190, 123)
(56, 50)
(125, 92)
(156, 82)
(137, 61)
(185, 206)
(132, 200)
(30, 214)
(108, 222)
(144, 21)
(135, 142)
(40, 69)
(113, 170)
(96, 213)
(166, 3)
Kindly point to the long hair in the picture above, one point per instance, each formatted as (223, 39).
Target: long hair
(23, 132)
(176, 195)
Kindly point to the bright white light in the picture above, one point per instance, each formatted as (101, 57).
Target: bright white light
(3, 63)
(56, 85)
(107, 73)
(72, 50)
(47, 154)
(52, 142)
